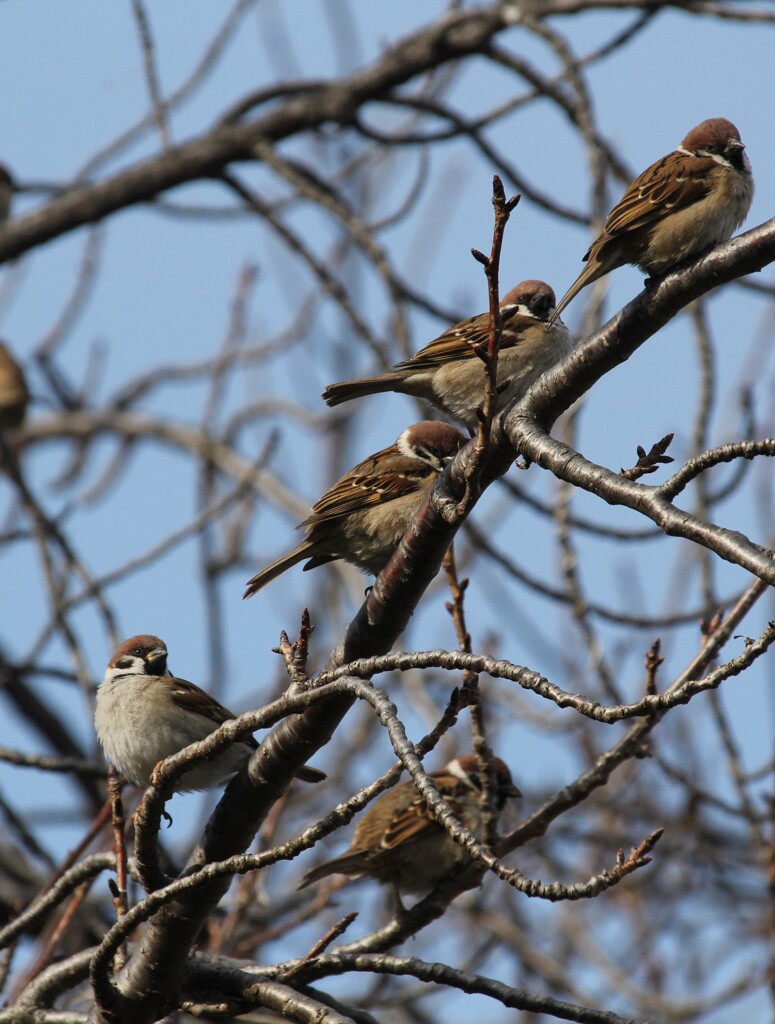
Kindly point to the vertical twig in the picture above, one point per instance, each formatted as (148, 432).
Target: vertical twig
(653, 660)
(295, 653)
(157, 102)
(118, 889)
(489, 353)
(456, 608)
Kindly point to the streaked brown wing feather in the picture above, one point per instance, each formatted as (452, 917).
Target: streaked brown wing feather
(459, 341)
(414, 819)
(196, 700)
(452, 344)
(190, 697)
(363, 488)
(407, 823)
(653, 192)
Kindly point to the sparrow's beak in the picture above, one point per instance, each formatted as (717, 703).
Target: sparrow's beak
(511, 791)
(734, 144)
(157, 656)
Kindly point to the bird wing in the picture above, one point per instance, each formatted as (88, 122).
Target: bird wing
(192, 699)
(655, 191)
(408, 822)
(365, 487)
(460, 341)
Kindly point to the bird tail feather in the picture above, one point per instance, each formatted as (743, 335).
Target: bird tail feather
(346, 390)
(304, 550)
(337, 866)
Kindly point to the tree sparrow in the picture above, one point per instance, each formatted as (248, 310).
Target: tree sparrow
(400, 843)
(14, 394)
(143, 715)
(366, 513)
(685, 203)
(449, 374)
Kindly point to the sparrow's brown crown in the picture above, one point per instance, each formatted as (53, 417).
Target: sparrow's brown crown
(150, 649)
(432, 441)
(717, 139)
(537, 296)
(715, 134)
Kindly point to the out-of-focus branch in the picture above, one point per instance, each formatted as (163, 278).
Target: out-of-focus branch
(68, 883)
(456, 35)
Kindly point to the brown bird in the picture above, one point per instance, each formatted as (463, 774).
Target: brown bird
(366, 513)
(400, 843)
(684, 204)
(143, 715)
(450, 375)
(14, 394)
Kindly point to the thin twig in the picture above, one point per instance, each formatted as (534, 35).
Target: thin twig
(118, 889)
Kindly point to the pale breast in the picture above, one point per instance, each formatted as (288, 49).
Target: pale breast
(701, 226)
(373, 535)
(135, 737)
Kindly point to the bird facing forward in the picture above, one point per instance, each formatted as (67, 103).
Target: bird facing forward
(448, 372)
(684, 204)
(143, 715)
(399, 842)
(365, 514)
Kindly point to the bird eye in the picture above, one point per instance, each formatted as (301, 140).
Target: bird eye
(712, 147)
(138, 652)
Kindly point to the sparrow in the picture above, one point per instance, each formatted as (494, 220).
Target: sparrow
(14, 394)
(682, 205)
(143, 714)
(450, 375)
(399, 842)
(366, 513)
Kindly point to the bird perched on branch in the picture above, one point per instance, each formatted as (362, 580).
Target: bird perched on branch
(684, 204)
(365, 514)
(143, 715)
(449, 373)
(399, 842)
(14, 393)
